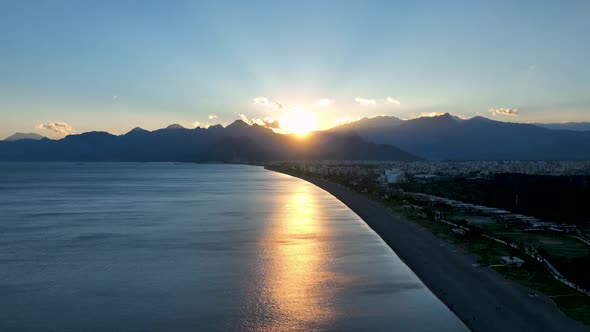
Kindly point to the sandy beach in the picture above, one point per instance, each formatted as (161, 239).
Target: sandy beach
(482, 298)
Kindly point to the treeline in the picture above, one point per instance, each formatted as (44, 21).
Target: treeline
(562, 199)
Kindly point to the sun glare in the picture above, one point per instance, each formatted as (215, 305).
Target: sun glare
(299, 122)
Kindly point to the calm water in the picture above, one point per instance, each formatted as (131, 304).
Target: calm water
(194, 247)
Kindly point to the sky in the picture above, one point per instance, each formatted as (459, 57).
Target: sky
(77, 66)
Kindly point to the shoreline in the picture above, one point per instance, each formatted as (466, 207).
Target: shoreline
(482, 298)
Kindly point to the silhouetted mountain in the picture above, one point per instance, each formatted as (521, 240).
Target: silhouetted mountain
(370, 123)
(238, 142)
(175, 126)
(446, 137)
(19, 136)
(577, 126)
(137, 130)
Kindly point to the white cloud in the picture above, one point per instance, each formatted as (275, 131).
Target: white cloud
(212, 116)
(270, 123)
(392, 101)
(504, 111)
(323, 102)
(58, 127)
(244, 118)
(365, 101)
(263, 101)
(267, 122)
(430, 114)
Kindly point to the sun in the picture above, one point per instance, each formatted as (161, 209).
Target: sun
(298, 121)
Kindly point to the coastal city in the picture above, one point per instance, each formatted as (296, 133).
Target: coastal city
(397, 171)
(547, 254)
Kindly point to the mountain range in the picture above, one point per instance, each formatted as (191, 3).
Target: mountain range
(444, 137)
(577, 126)
(238, 142)
(448, 137)
(19, 136)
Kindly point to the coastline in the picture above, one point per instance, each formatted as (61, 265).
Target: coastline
(482, 298)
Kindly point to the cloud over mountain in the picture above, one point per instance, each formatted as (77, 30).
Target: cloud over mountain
(61, 128)
(267, 122)
(504, 111)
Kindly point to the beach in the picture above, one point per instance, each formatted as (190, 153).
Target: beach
(482, 298)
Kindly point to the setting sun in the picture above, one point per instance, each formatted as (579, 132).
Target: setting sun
(298, 121)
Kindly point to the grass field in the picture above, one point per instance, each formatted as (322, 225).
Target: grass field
(555, 244)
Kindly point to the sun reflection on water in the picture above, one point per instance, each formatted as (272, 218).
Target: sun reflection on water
(294, 277)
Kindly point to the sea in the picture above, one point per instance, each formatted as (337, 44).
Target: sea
(195, 247)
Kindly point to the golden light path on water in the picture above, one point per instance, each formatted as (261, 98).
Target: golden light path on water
(294, 256)
(321, 268)
(296, 278)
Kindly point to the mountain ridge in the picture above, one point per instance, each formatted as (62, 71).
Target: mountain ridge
(20, 136)
(444, 138)
(238, 142)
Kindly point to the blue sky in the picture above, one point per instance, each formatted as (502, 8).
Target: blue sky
(100, 65)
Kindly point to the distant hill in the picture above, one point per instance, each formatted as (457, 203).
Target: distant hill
(446, 137)
(577, 126)
(377, 122)
(238, 142)
(19, 136)
(174, 126)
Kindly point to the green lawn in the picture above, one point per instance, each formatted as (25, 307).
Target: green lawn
(555, 244)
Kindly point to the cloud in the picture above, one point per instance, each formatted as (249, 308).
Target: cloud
(504, 111)
(267, 122)
(365, 101)
(212, 116)
(58, 127)
(392, 101)
(461, 116)
(263, 101)
(270, 123)
(202, 125)
(430, 114)
(244, 118)
(323, 102)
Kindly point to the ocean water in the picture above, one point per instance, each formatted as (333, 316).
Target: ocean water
(163, 247)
